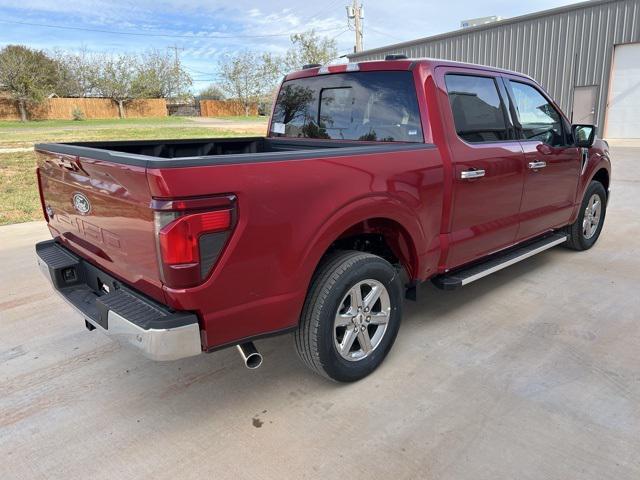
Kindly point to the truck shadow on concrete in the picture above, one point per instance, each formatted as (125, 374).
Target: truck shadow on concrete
(435, 305)
(221, 376)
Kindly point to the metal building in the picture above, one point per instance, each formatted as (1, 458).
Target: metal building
(586, 55)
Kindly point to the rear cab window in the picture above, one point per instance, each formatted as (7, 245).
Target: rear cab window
(365, 106)
(479, 114)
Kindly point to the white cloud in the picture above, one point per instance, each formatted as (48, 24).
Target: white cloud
(385, 23)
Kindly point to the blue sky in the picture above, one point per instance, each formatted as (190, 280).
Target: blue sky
(207, 30)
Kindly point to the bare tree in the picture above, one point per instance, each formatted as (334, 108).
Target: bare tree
(247, 76)
(28, 75)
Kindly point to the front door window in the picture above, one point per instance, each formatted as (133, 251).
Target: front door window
(538, 118)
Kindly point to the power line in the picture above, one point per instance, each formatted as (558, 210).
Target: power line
(324, 10)
(384, 33)
(162, 35)
(341, 33)
(200, 72)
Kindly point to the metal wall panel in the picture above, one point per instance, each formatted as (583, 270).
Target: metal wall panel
(561, 48)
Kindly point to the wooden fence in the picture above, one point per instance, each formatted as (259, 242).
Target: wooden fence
(224, 108)
(63, 108)
(9, 110)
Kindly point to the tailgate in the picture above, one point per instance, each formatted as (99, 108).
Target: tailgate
(101, 210)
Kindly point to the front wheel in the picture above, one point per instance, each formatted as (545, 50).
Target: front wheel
(584, 232)
(351, 316)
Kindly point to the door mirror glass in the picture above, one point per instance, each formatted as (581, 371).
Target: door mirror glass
(583, 135)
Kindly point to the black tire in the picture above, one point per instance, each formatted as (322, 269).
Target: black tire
(333, 280)
(577, 238)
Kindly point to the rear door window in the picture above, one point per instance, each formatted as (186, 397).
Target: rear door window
(366, 106)
(478, 110)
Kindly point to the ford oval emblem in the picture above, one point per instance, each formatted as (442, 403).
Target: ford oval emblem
(81, 203)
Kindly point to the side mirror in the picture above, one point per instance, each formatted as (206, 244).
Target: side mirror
(583, 135)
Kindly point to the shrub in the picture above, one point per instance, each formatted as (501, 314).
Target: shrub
(77, 114)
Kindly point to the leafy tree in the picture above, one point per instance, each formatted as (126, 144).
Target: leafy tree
(153, 74)
(117, 79)
(247, 76)
(307, 48)
(78, 73)
(212, 92)
(29, 76)
(159, 75)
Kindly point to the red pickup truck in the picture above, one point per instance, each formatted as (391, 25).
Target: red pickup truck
(374, 177)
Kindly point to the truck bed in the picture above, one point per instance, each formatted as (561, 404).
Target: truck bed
(212, 151)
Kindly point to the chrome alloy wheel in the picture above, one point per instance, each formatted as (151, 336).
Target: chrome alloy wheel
(361, 320)
(592, 216)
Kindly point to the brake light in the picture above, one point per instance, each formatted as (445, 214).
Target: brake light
(191, 234)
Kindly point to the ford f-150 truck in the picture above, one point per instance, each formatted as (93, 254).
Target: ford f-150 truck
(373, 177)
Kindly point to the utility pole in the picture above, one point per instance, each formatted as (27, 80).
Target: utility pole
(355, 12)
(176, 69)
(176, 49)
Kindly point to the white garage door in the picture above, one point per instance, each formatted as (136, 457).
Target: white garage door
(623, 108)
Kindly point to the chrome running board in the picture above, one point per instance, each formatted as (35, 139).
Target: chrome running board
(464, 276)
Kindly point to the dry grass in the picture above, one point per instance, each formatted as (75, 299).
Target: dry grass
(18, 188)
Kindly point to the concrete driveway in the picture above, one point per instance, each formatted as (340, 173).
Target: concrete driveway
(532, 373)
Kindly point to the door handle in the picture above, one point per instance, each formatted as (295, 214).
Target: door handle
(537, 165)
(468, 174)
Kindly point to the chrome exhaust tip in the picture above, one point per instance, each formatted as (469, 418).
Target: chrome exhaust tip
(252, 359)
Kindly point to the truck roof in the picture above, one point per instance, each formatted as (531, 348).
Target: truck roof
(402, 64)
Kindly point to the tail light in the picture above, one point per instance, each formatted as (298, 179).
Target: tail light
(191, 234)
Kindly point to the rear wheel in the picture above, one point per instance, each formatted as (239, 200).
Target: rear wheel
(351, 316)
(584, 232)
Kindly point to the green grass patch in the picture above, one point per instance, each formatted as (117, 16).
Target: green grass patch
(244, 118)
(17, 138)
(18, 188)
(93, 123)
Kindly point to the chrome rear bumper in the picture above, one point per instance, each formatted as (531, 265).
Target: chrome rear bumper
(106, 304)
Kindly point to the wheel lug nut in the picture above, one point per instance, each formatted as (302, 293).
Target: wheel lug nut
(368, 319)
(363, 328)
(366, 309)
